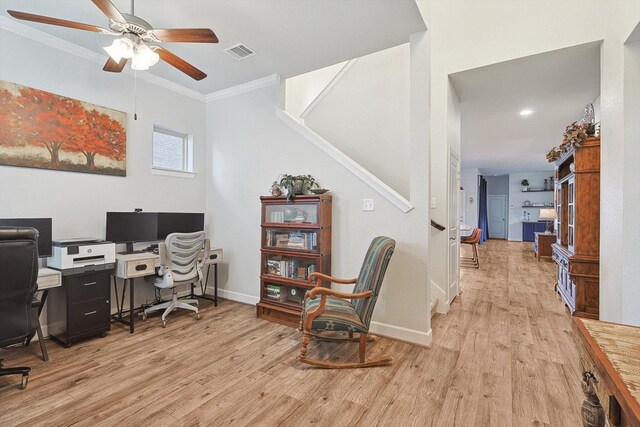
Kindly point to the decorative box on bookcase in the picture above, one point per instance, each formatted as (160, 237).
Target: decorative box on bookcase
(296, 241)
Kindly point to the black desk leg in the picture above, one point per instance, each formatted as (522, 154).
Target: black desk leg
(203, 286)
(132, 309)
(120, 303)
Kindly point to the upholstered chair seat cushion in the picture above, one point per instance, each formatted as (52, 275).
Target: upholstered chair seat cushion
(338, 315)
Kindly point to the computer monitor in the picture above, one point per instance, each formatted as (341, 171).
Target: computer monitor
(131, 227)
(43, 225)
(179, 222)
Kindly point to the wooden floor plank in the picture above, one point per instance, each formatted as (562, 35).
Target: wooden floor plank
(505, 355)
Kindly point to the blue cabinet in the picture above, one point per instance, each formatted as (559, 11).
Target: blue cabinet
(530, 228)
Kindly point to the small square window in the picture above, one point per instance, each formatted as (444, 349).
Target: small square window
(172, 150)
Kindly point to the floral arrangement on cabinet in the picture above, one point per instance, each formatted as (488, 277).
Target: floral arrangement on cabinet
(574, 136)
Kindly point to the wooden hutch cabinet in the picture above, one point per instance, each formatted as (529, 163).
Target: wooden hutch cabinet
(296, 241)
(577, 247)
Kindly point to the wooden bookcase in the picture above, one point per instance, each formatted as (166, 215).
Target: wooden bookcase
(577, 247)
(296, 241)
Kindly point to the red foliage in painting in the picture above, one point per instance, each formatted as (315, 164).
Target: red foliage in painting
(49, 120)
(100, 134)
(9, 134)
(60, 123)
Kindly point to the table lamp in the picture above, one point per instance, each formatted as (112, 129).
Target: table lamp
(547, 215)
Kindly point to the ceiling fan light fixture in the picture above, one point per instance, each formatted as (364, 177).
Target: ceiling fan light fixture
(138, 63)
(146, 54)
(120, 48)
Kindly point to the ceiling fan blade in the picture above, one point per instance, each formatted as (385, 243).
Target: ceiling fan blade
(110, 10)
(55, 21)
(113, 66)
(189, 35)
(180, 64)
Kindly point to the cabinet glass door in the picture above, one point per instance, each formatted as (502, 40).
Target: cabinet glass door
(571, 198)
(558, 214)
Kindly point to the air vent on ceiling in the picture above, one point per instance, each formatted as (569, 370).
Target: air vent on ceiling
(239, 51)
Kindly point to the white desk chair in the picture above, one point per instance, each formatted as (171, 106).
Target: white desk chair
(179, 265)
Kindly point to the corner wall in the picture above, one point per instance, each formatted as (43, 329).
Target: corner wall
(248, 147)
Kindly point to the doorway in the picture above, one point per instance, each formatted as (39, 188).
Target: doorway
(497, 216)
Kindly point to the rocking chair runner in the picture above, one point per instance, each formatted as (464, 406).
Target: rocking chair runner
(339, 311)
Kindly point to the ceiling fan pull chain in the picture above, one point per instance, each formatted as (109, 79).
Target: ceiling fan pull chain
(132, 8)
(135, 95)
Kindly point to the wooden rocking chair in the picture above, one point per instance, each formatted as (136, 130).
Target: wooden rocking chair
(344, 312)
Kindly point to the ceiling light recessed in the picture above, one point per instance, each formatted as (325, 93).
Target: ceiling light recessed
(526, 112)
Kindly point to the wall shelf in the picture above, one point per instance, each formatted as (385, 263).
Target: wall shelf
(535, 191)
(540, 207)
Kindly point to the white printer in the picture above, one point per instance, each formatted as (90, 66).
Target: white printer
(75, 256)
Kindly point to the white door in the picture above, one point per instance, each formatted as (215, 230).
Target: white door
(497, 217)
(454, 226)
(462, 208)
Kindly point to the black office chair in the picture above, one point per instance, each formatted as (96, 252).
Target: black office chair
(18, 277)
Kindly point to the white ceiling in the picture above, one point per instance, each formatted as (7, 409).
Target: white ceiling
(291, 36)
(556, 85)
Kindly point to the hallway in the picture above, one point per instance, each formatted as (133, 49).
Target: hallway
(510, 344)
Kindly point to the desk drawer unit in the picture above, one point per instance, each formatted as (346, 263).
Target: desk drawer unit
(136, 268)
(86, 287)
(81, 308)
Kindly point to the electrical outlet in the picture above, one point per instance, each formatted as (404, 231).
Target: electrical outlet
(367, 204)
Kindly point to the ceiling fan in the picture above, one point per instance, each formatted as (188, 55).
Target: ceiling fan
(134, 40)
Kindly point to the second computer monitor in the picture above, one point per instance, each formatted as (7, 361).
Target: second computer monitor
(130, 227)
(179, 222)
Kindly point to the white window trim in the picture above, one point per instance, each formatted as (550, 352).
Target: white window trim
(187, 147)
(173, 173)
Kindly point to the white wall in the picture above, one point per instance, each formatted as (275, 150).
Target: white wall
(469, 181)
(497, 185)
(366, 115)
(302, 90)
(630, 298)
(77, 202)
(246, 159)
(517, 199)
(470, 34)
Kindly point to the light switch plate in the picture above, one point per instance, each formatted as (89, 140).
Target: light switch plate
(367, 204)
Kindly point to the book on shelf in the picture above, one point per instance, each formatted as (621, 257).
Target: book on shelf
(292, 269)
(273, 267)
(303, 240)
(277, 216)
(276, 292)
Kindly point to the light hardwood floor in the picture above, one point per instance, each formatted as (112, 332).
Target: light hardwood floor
(505, 355)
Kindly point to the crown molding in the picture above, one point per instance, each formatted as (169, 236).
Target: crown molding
(26, 31)
(242, 88)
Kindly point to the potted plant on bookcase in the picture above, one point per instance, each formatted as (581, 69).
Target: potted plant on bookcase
(296, 184)
(525, 185)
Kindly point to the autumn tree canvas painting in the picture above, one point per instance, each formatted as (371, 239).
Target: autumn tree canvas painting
(39, 129)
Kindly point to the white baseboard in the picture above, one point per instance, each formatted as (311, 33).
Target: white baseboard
(399, 333)
(441, 295)
(236, 296)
